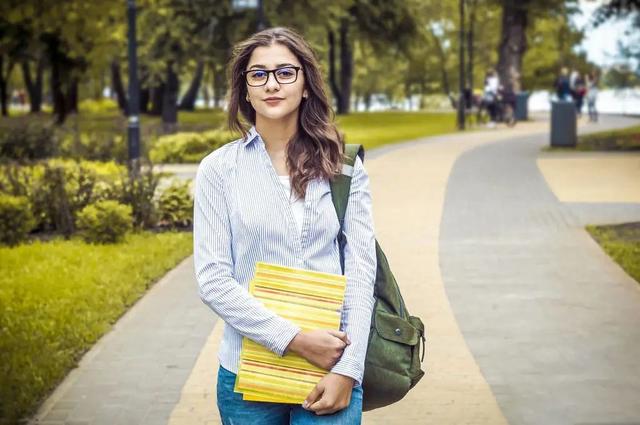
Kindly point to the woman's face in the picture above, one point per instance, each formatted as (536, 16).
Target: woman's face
(286, 96)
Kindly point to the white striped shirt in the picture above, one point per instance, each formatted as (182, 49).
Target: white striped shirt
(242, 215)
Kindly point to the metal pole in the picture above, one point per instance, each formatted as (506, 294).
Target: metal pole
(461, 100)
(134, 91)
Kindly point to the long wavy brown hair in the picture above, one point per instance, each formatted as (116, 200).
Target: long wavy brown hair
(317, 148)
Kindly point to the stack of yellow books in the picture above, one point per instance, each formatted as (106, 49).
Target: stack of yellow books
(311, 300)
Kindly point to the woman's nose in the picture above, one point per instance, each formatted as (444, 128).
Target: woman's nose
(272, 83)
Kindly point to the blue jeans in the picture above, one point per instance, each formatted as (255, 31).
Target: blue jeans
(235, 411)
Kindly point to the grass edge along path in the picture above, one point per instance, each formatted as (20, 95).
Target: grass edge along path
(622, 243)
(58, 298)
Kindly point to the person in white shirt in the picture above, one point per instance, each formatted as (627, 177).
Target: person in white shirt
(267, 197)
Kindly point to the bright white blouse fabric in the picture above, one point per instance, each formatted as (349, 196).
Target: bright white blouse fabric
(297, 204)
(242, 215)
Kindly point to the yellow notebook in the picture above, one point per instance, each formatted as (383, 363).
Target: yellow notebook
(311, 300)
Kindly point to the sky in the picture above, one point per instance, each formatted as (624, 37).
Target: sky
(600, 43)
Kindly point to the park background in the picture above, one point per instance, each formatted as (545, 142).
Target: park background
(86, 232)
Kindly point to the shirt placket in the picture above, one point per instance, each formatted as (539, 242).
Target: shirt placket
(284, 198)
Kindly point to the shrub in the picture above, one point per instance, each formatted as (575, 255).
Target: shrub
(16, 219)
(28, 141)
(94, 146)
(139, 191)
(97, 106)
(104, 222)
(175, 205)
(187, 147)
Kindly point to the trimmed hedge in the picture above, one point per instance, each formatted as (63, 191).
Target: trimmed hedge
(187, 147)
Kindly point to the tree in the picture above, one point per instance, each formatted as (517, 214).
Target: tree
(517, 17)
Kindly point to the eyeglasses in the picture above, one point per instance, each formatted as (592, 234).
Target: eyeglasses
(259, 77)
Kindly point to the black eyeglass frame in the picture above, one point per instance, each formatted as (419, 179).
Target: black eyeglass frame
(269, 71)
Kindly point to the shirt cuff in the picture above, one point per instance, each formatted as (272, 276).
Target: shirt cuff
(349, 367)
(284, 338)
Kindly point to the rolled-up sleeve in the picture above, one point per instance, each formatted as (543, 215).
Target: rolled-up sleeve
(360, 269)
(213, 262)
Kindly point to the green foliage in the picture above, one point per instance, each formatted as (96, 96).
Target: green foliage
(138, 191)
(16, 219)
(187, 147)
(622, 243)
(28, 140)
(627, 139)
(58, 298)
(93, 106)
(551, 43)
(58, 189)
(175, 205)
(104, 222)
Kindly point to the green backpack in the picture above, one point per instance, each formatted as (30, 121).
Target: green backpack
(392, 365)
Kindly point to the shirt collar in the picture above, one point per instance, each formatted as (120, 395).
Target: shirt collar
(252, 136)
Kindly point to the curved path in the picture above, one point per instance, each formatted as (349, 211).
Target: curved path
(527, 320)
(549, 318)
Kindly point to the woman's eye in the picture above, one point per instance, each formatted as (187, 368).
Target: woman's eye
(285, 73)
(259, 74)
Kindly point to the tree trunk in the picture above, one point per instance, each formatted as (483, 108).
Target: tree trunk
(71, 99)
(170, 100)
(145, 95)
(205, 87)
(219, 86)
(59, 103)
(4, 82)
(333, 83)
(34, 88)
(157, 95)
(188, 102)
(470, 43)
(346, 67)
(513, 42)
(118, 87)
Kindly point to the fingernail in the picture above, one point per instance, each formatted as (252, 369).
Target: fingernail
(305, 404)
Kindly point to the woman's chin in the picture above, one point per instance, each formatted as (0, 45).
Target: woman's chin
(274, 113)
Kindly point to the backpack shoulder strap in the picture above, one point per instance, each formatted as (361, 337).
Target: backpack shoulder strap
(340, 188)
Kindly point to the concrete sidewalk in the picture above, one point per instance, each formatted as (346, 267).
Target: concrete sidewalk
(528, 321)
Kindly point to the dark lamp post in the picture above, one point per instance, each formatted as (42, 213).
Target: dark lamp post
(134, 92)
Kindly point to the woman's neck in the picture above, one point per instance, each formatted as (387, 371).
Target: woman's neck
(277, 133)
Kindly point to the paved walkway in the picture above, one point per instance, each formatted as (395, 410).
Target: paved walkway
(528, 321)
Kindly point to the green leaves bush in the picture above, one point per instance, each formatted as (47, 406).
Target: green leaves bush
(28, 140)
(16, 219)
(104, 222)
(175, 205)
(187, 147)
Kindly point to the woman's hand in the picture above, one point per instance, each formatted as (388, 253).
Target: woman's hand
(333, 393)
(322, 347)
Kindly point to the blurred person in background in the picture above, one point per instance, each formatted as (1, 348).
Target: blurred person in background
(592, 95)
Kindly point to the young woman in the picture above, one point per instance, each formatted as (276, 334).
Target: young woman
(266, 197)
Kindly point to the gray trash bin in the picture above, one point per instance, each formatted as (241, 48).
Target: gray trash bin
(522, 109)
(563, 123)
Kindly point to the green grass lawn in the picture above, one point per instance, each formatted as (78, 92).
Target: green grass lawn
(58, 298)
(627, 139)
(374, 129)
(622, 243)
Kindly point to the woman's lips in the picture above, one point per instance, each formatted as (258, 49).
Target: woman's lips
(272, 101)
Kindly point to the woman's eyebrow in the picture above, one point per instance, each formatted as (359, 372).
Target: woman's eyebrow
(277, 66)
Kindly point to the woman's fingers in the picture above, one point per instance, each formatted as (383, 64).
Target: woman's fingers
(340, 335)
